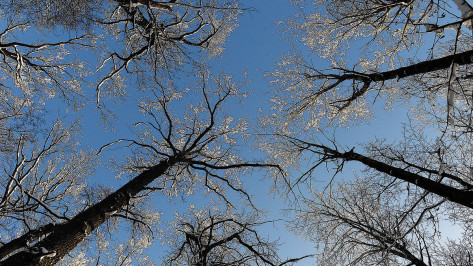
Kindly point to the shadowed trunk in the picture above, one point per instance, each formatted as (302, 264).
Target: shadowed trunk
(452, 194)
(65, 237)
(415, 69)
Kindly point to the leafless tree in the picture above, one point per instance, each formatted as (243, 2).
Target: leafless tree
(209, 238)
(164, 38)
(172, 154)
(385, 69)
(357, 225)
(392, 212)
(47, 206)
(42, 179)
(114, 42)
(377, 57)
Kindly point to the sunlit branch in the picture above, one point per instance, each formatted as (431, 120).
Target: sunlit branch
(462, 197)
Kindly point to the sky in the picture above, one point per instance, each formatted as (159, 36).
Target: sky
(253, 48)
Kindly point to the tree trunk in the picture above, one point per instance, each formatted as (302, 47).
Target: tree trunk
(425, 66)
(452, 194)
(415, 69)
(462, 197)
(68, 235)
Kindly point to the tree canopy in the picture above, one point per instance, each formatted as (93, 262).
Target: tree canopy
(413, 56)
(178, 129)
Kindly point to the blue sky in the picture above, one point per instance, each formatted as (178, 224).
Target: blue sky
(253, 48)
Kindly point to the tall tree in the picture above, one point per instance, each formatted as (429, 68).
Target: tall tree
(48, 206)
(356, 224)
(379, 53)
(173, 154)
(116, 44)
(395, 63)
(210, 238)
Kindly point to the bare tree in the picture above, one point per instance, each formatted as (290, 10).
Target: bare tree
(37, 70)
(385, 69)
(357, 224)
(164, 38)
(172, 154)
(210, 238)
(117, 43)
(390, 214)
(48, 206)
(42, 179)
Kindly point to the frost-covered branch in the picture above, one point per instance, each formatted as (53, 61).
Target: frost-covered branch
(209, 238)
(170, 153)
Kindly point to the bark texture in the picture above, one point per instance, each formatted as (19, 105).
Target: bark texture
(463, 197)
(415, 69)
(65, 237)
